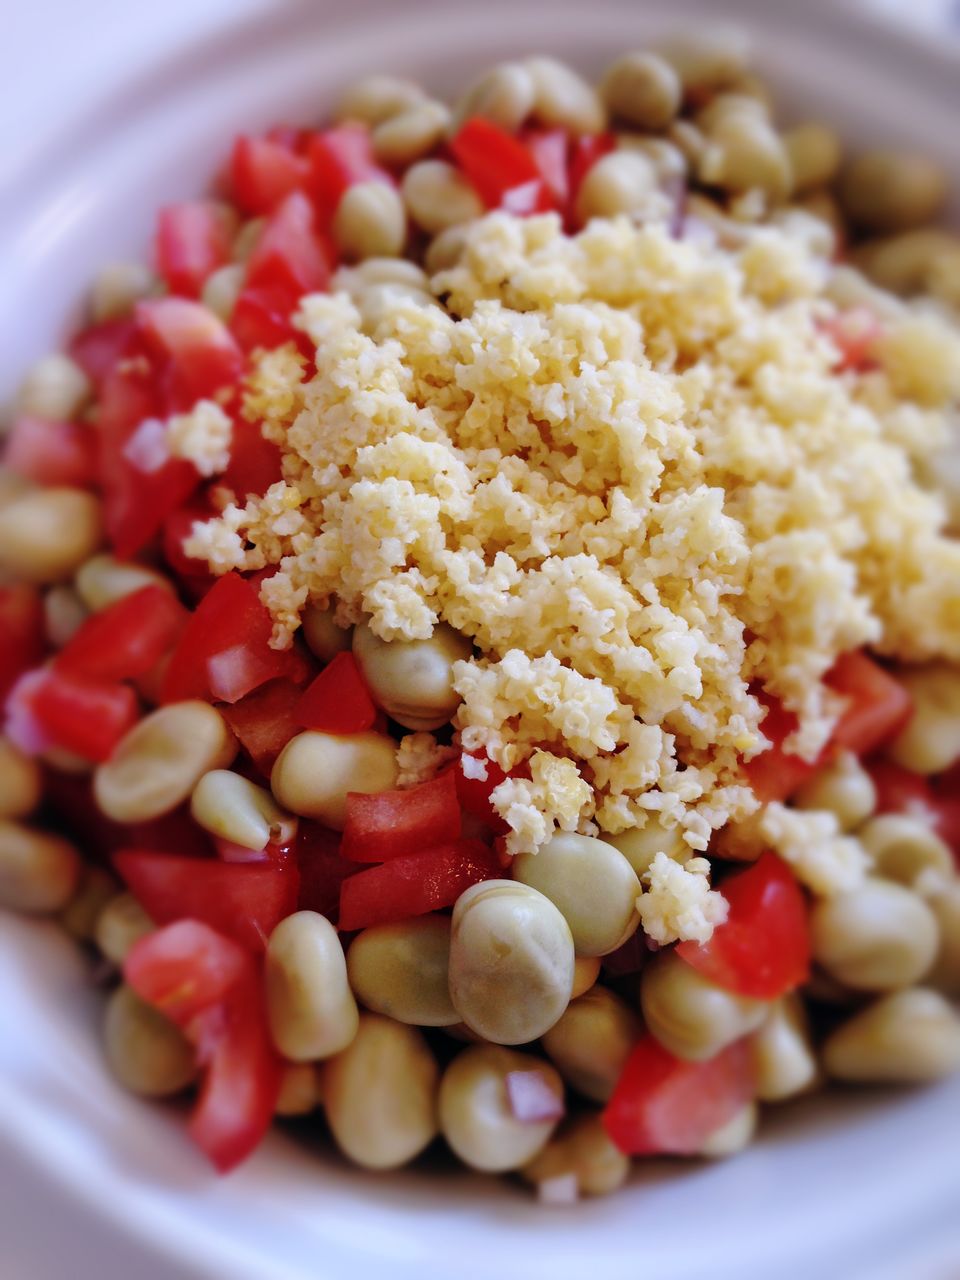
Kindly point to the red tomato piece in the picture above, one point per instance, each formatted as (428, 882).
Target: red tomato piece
(21, 633)
(193, 239)
(549, 148)
(99, 348)
(474, 793)
(255, 463)
(242, 1078)
(224, 651)
(390, 823)
(87, 717)
(663, 1105)
(261, 320)
(127, 638)
(323, 869)
(52, 453)
(265, 721)
(176, 529)
(494, 161)
(136, 502)
(415, 883)
(245, 901)
(184, 968)
(290, 258)
(763, 947)
(337, 701)
(900, 790)
(338, 158)
(263, 172)
(879, 704)
(196, 353)
(776, 774)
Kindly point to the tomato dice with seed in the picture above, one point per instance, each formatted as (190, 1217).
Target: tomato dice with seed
(184, 968)
(245, 901)
(85, 716)
(290, 258)
(339, 158)
(224, 651)
(338, 700)
(126, 639)
(52, 453)
(99, 348)
(663, 1105)
(387, 824)
(263, 172)
(193, 239)
(196, 354)
(415, 883)
(494, 161)
(22, 639)
(763, 947)
(265, 721)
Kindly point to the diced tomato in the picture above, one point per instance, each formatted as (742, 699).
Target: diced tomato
(184, 968)
(127, 638)
(87, 717)
(290, 258)
(263, 172)
(549, 148)
(243, 901)
(224, 651)
(196, 353)
(99, 348)
(262, 320)
(390, 823)
(338, 700)
(193, 239)
(585, 151)
(242, 1078)
(21, 633)
(340, 157)
(52, 453)
(763, 947)
(415, 883)
(663, 1105)
(265, 721)
(323, 869)
(474, 793)
(176, 528)
(879, 704)
(494, 161)
(255, 463)
(933, 801)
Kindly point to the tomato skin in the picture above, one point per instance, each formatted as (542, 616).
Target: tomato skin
(185, 967)
(263, 172)
(52, 453)
(493, 160)
(244, 901)
(255, 463)
(415, 883)
(126, 639)
(337, 700)
(85, 716)
(391, 823)
(192, 240)
(229, 620)
(663, 1105)
(196, 355)
(265, 721)
(22, 637)
(763, 947)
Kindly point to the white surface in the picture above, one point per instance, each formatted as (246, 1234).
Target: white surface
(95, 1184)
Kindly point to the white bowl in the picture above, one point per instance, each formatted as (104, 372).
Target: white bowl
(863, 1184)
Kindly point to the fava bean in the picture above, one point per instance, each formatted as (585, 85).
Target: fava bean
(564, 99)
(581, 1148)
(844, 788)
(640, 845)
(46, 534)
(56, 388)
(64, 613)
(20, 782)
(586, 970)
(944, 902)
(708, 60)
(438, 196)
(300, 1090)
(411, 134)
(121, 924)
(621, 182)
(591, 1042)
(930, 742)
(376, 98)
(476, 1117)
(380, 1094)
(782, 1053)
(103, 580)
(511, 961)
(643, 89)
(235, 809)
(310, 1007)
(158, 763)
(743, 153)
(814, 153)
(412, 679)
(315, 771)
(39, 872)
(401, 970)
(145, 1051)
(691, 1016)
(908, 1037)
(370, 221)
(222, 288)
(892, 190)
(876, 937)
(905, 849)
(736, 1134)
(247, 238)
(324, 638)
(504, 95)
(593, 886)
(95, 889)
(117, 287)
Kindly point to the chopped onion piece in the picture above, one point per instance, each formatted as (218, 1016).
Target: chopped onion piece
(531, 1099)
(560, 1190)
